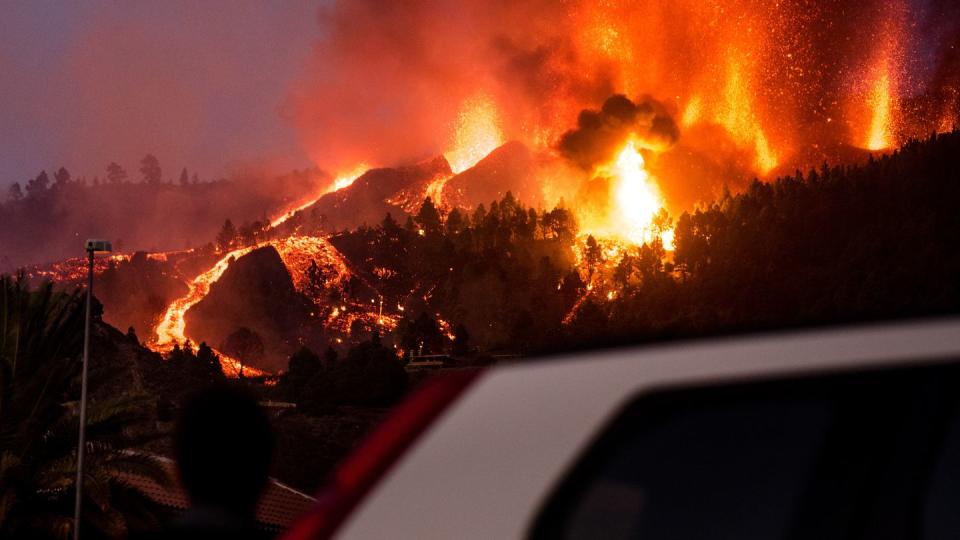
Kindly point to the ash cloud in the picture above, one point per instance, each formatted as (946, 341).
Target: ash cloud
(387, 81)
(600, 133)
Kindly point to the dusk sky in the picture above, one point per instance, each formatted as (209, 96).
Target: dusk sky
(201, 85)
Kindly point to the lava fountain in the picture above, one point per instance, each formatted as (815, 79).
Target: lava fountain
(634, 200)
(477, 133)
(880, 101)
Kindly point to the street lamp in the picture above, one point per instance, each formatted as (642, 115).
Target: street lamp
(92, 247)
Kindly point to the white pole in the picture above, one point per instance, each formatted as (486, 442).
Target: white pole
(83, 403)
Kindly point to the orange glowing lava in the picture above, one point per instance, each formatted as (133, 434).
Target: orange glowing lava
(298, 254)
(737, 115)
(880, 101)
(343, 180)
(171, 328)
(477, 133)
(634, 201)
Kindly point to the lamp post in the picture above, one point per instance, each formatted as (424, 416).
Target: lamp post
(92, 247)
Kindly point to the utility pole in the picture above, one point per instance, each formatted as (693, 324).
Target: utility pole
(92, 247)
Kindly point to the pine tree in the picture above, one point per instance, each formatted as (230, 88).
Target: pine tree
(150, 169)
(115, 173)
(227, 236)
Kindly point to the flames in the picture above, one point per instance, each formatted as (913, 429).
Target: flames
(636, 197)
(633, 201)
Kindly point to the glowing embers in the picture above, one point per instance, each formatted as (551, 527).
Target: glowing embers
(736, 114)
(633, 201)
(477, 133)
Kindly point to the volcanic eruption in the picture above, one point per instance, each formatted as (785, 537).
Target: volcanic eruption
(625, 113)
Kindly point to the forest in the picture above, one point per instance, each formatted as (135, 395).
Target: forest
(147, 209)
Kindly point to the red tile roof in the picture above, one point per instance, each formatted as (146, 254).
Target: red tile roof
(279, 505)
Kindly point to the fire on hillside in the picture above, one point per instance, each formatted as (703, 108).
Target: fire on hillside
(619, 125)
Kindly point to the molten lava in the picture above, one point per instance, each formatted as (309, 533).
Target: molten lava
(296, 252)
(341, 181)
(880, 101)
(637, 200)
(634, 200)
(477, 133)
(737, 115)
(170, 331)
(346, 179)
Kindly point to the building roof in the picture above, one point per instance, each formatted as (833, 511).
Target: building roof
(279, 505)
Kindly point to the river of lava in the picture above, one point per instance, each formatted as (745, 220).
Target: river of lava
(341, 181)
(298, 253)
(170, 330)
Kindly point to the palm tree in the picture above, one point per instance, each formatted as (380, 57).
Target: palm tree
(41, 334)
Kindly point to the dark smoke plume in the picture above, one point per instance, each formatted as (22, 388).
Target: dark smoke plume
(599, 134)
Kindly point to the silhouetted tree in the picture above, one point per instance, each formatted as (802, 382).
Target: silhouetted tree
(302, 366)
(184, 179)
(455, 221)
(38, 186)
(227, 236)
(115, 173)
(15, 193)
(61, 177)
(329, 357)
(461, 340)
(42, 335)
(428, 218)
(370, 376)
(150, 169)
(245, 345)
(209, 362)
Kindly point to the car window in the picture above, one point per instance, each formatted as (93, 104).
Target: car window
(787, 459)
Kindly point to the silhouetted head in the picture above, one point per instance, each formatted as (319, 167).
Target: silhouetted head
(223, 446)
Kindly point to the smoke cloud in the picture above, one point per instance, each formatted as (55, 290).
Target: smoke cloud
(776, 86)
(600, 134)
(389, 79)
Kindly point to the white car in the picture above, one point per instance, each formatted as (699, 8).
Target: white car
(823, 434)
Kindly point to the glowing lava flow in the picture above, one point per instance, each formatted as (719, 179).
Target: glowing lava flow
(170, 331)
(342, 181)
(172, 327)
(477, 134)
(881, 104)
